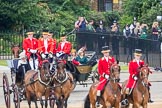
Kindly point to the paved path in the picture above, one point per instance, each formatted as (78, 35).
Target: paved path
(77, 97)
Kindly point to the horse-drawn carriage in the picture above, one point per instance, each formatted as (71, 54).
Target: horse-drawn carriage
(17, 86)
(82, 73)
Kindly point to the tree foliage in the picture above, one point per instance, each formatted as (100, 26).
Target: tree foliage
(144, 10)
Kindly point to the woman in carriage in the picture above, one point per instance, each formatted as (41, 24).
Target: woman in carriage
(22, 67)
(81, 58)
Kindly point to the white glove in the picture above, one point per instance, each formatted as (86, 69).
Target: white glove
(43, 55)
(59, 54)
(50, 55)
(33, 51)
(106, 76)
(135, 78)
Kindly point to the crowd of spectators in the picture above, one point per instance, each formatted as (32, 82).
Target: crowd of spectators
(136, 29)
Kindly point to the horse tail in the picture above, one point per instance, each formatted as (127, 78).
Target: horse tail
(87, 102)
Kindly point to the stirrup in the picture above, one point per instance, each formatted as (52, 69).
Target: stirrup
(97, 104)
(124, 102)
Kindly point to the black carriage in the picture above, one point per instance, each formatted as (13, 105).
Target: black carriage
(17, 86)
(84, 73)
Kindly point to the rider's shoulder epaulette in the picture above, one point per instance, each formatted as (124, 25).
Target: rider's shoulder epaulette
(133, 60)
(110, 57)
(102, 58)
(141, 60)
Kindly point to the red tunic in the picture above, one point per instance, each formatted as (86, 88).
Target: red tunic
(66, 48)
(53, 41)
(30, 44)
(41, 46)
(133, 66)
(104, 68)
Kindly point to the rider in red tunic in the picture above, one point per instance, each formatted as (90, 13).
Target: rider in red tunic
(64, 47)
(104, 65)
(52, 41)
(134, 65)
(45, 45)
(30, 46)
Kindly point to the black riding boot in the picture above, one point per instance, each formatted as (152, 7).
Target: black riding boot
(98, 101)
(98, 98)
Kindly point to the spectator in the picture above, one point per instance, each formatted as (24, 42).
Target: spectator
(137, 30)
(80, 25)
(81, 58)
(100, 28)
(144, 29)
(126, 31)
(132, 27)
(115, 27)
(155, 31)
(90, 26)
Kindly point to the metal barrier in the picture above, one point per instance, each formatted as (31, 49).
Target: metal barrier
(121, 47)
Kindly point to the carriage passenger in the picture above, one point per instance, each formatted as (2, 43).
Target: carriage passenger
(30, 45)
(81, 58)
(73, 56)
(64, 48)
(134, 65)
(46, 46)
(104, 65)
(22, 67)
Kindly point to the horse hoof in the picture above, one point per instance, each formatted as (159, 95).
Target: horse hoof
(150, 101)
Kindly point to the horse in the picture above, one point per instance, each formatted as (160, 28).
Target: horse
(110, 95)
(38, 86)
(140, 94)
(63, 85)
(15, 50)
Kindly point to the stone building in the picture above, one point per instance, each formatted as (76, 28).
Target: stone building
(106, 5)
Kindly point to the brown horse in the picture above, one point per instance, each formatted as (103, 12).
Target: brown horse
(63, 85)
(15, 50)
(111, 95)
(140, 94)
(39, 85)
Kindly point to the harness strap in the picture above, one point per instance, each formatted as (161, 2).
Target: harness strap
(40, 80)
(61, 82)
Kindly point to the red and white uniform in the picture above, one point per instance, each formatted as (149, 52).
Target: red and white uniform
(133, 71)
(104, 65)
(64, 47)
(45, 46)
(53, 41)
(30, 44)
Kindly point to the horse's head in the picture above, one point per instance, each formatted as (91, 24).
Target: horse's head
(45, 69)
(61, 75)
(143, 75)
(15, 50)
(115, 72)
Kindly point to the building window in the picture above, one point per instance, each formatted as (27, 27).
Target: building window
(105, 5)
(108, 5)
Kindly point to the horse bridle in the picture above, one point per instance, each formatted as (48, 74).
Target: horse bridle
(143, 78)
(112, 73)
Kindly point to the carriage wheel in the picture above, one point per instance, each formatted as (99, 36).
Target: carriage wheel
(52, 99)
(6, 90)
(16, 97)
